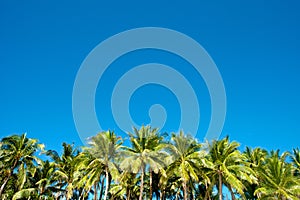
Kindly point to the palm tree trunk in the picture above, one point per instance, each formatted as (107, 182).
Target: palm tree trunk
(142, 183)
(95, 191)
(8, 176)
(41, 191)
(69, 190)
(106, 183)
(128, 194)
(151, 190)
(185, 194)
(164, 195)
(4, 183)
(161, 195)
(102, 186)
(220, 186)
(232, 193)
(206, 193)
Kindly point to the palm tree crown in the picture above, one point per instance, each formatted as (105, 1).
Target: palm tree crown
(154, 165)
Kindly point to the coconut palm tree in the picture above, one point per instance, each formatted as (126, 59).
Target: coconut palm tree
(91, 170)
(18, 154)
(278, 180)
(104, 148)
(296, 161)
(229, 168)
(126, 187)
(43, 185)
(255, 159)
(44, 180)
(146, 151)
(181, 168)
(186, 160)
(66, 168)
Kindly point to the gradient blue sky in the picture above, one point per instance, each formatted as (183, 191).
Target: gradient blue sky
(255, 45)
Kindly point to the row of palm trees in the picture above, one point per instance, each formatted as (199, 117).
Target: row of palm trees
(151, 166)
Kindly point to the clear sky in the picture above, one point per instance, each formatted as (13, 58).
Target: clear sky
(254, 44)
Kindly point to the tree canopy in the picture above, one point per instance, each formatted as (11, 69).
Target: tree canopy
(153, 165)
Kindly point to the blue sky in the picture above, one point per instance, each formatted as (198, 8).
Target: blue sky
(255, 46)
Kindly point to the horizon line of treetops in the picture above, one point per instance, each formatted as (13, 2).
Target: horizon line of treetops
(154, 166)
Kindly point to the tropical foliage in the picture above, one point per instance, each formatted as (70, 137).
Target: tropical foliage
(151, 165)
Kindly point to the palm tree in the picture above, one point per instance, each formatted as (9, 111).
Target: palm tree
(255, 159)
(126, 187)
(91, 170)
(186, 160)
(44, 180)
(18, 153)
(66, 168)
(229, 168)
(181, 168)
(146, 151)
(43, 185)
(296, 161)
(278, 180)
(104, 147)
